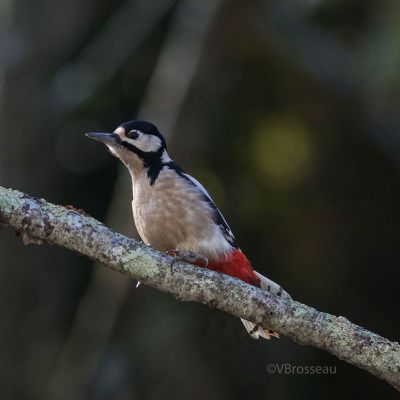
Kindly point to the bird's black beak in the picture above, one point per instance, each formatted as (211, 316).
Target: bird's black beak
(107, 138)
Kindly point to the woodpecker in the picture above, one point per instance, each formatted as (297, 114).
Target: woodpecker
(175, 214)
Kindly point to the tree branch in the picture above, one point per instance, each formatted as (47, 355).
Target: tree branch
(38, 220)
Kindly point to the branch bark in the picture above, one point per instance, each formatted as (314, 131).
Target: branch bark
(38, 220)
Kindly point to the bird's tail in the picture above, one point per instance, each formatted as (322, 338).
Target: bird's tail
(256, 331)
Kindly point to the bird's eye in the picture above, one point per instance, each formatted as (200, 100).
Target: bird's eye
(133, 134)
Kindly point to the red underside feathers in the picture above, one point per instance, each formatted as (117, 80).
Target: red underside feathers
(237, 265)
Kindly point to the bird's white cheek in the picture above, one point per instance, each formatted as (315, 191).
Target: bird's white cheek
(147, 143)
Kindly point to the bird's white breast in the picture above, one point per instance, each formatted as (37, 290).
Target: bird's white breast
(172, 214)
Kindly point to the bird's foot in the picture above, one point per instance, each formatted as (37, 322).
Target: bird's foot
(187, 256)
(257, 331)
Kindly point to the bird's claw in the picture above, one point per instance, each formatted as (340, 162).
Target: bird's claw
(264, 332)
(187, 256)
(171, 253)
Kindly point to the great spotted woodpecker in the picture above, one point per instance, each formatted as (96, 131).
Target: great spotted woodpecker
(174, 213)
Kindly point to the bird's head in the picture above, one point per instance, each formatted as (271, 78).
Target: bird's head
(138, 144)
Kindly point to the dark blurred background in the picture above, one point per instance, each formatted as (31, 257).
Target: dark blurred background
(287, 111)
